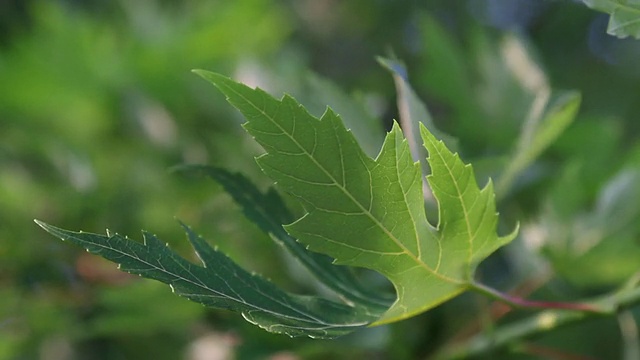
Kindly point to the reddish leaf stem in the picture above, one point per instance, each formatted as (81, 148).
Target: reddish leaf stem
(518, 302)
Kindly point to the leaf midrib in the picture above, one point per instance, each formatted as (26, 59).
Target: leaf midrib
(239, 299)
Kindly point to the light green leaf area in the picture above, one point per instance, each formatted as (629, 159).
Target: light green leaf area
(370, 213)
(221, 283)
(625, 16)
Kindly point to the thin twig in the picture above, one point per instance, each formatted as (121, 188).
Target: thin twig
(497, 309)
(541, 322)
(518, 302)
(629, 333)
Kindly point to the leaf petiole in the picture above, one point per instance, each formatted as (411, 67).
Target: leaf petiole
(520, 303)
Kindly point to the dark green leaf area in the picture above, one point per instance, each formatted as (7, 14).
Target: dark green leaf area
(221, 283)
(268, 211)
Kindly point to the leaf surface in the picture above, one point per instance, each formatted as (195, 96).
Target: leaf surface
(221, 283)
(370, 213)
(267, 210)
(624, 18)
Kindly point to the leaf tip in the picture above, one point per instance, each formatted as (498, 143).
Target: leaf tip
(395, 126)
(210, 76)
(425, 133)
(47, 227)
(513, 233)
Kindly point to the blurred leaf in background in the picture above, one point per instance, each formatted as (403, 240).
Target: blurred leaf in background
(597, 248)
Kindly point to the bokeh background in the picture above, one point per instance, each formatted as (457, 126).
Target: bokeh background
(97, 103)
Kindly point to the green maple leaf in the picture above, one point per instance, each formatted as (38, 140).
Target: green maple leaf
(370, 213)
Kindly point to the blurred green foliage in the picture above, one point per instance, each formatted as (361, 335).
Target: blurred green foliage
(97, 102)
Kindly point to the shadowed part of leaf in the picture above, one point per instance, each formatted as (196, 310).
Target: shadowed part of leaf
(268, 211)
(222, 284)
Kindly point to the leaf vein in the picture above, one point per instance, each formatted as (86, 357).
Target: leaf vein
(392, 237)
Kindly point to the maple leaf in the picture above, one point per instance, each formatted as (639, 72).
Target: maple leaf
(370, 213)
